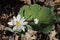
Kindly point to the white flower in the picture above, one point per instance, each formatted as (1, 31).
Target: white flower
(36, 21)
(19, 23)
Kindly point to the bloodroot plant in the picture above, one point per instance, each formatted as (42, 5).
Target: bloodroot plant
(40, 18)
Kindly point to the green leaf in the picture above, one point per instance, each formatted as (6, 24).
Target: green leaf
(52, 9)
(57, 18)
(29, 12)
(35, 9)
(47, 29)
(45, 15)
(35, 27)
(9, 29)
(25, 11)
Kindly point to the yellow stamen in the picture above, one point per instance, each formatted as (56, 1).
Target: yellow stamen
(18, 23)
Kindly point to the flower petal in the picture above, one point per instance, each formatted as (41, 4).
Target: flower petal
(19, 29)
(22, 19)
(18, 17)
(24, 23)
(10, 23)
(15, 28)
(36, 21)
(14, 20)
(23, 28)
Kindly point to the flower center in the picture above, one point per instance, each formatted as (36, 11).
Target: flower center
(18, 23)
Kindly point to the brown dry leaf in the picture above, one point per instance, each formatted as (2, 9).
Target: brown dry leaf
(16, 37)
(2, 27)
(57, 1)
(27, 1)
(30, 35)
(4, 16)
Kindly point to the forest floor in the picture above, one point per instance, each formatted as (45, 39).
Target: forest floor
(8, 9)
